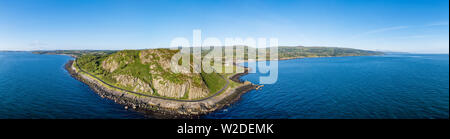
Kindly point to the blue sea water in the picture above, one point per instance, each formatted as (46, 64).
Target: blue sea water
(38, 86)
(389, 86)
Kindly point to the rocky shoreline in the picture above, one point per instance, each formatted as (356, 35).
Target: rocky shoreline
(160, 108)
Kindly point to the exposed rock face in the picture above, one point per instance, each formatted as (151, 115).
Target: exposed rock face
(197, 92)
(137, 84)
(158, 57)
(170, 89)
(110, 64)
(160, 63)
(163, 81)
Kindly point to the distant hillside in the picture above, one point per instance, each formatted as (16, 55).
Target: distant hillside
(287, 52)
(300, 51)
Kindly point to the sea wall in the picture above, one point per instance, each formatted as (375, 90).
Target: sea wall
(161, 108)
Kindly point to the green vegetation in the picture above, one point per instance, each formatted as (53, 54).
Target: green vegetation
(128, 63)
(138, 70)
(214, 81)
(145, 66)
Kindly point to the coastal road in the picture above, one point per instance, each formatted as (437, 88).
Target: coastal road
(158, 97)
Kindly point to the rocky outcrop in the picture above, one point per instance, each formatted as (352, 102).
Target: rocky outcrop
(114, 61)
(150, 72)
(174, 90)
(135, 83)
(170, 89)
(160, 64)
(197, 92)
(144, 80)
(110, 64)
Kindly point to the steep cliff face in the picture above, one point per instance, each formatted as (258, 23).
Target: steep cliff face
(168, 83)
(149, 72)
(134, 83)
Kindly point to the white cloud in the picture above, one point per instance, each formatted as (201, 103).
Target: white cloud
(385, 29)
(442, 23)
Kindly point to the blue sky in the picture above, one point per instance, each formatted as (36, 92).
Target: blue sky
(420, 26)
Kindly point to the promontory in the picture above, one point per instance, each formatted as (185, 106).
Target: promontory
(144, 80)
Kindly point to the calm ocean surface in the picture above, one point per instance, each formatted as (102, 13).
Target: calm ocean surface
(390, 86)
(38, 86)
